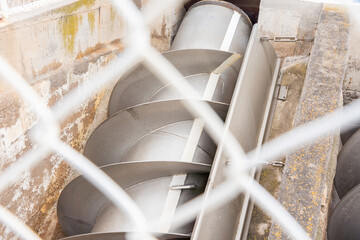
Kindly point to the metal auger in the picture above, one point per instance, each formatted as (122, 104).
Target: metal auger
(150, 145)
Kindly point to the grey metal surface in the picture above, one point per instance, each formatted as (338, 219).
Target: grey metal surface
(213, 22)
(348, 166)
(346, 135)
(150, 196)
(345, 221)
(246, 120)
(141, 86)
(174, 137)
(121, 236)
(148, 132)
(80, 202)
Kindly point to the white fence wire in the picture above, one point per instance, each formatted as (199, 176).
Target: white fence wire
(19, 10)
(45, 134)
(16, 3)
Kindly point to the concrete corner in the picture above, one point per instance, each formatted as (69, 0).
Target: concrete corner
(307, 178)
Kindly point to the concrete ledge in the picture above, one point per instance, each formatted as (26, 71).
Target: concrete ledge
(307, 178)
(293, 73)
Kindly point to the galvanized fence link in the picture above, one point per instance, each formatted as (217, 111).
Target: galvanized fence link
(138, 49)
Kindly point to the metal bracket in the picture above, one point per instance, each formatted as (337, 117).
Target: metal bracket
(229, 162)
(282, 95)
(232, 162)
(285, 39)
(183, 187)
(276, 164)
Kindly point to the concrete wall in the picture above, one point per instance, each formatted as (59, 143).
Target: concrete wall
(351, 87)
(307, 179)
(55, 52)
(292, 18)
(304, 185)
(292, 74)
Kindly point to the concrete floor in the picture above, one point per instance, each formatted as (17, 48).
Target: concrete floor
(351, 87)
(304, 185)
(292, 75)
(277, 18)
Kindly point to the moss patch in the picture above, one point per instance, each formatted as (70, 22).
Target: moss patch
(91, 19)
(69, 25)
(69, 29)
(70, 9)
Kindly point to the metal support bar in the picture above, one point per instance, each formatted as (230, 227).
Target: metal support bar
(285, 39)
(276, 164)
(183, 187)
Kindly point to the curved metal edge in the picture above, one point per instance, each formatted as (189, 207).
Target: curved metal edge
(216, 51)
(249, 124)
(348, 166)
(212, 59)
(346, 135)
(144, 118)
(121, 236)
(226, 5)
(79, 202)
(344, 221)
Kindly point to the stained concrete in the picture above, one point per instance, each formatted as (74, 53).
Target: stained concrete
(55, 52)
(34, 195)
(307, 179)
(351, 87)
(292, 75)
(291, 18)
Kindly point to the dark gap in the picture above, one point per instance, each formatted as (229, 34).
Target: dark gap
(250, 7)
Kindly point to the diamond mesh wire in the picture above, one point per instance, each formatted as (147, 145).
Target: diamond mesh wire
(46, 132)
(16, 3)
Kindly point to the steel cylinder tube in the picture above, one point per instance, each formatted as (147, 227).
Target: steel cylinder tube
(150, 144)
(209, 31)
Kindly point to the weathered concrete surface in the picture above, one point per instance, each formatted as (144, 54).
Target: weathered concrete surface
(307, 180)
(33, 197)
(163, 30)
(68, 33)
(55, 52)
(292, 75)
(351, 87)
(59, 37)
(294, 18)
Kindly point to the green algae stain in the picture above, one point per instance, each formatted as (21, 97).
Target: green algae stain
(91, 19)
(69, 29)
(69, 24)
(70, 9)
(112, 14)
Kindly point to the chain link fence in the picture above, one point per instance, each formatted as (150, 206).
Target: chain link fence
(17, 3)
(45, 134)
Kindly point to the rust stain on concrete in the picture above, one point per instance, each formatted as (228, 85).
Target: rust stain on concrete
(90, 50)
(50, 67)
(9, 109)
(335, 8)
